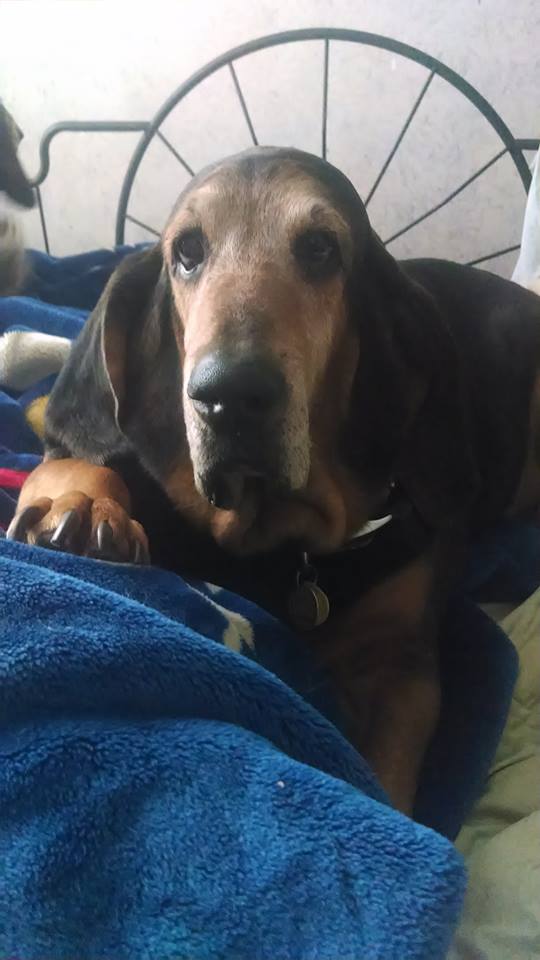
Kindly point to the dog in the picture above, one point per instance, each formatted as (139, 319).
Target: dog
(267, 399)
(15, 185)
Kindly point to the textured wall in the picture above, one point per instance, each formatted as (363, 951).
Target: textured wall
(113, 60)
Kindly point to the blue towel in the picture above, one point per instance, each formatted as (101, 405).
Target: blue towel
(75, 281)
(172, 785)
(163, 796)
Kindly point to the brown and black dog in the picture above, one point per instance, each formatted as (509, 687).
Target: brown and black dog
(13, 183)
(267, 379)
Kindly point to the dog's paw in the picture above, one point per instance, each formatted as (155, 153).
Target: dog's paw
(74, 523)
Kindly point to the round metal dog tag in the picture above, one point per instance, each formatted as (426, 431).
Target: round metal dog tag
(309, 606)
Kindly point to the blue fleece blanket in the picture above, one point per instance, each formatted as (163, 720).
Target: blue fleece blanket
(163, 796)
(171, 783)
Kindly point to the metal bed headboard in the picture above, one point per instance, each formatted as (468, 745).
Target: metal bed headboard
(511, 146)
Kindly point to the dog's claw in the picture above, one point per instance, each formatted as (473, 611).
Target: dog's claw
(105, 547)
(105, 538)
(20, 524)
(43, 539)
(68, 525)
(140, 554)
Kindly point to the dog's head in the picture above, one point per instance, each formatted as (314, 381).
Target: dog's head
(13, 180)
(14, 184)
(259, 251)
(279, 358)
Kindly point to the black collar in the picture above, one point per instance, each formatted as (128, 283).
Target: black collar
(389, 541)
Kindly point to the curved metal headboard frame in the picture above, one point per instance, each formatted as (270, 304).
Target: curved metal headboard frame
(511, 146)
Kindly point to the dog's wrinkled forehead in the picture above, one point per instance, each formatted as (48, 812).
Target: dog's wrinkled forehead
(266, 194)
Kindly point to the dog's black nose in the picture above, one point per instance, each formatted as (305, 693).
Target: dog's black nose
(244, 388)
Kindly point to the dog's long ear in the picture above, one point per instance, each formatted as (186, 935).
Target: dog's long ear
(87, 408)
(408, 394)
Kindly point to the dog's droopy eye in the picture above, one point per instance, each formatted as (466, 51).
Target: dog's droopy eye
(188, 251)
(317, 252)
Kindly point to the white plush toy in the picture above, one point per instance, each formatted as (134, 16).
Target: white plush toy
(27, 357)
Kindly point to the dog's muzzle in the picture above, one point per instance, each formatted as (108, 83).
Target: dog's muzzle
(239, 403)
